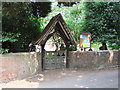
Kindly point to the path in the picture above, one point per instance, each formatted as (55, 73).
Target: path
(69, 79)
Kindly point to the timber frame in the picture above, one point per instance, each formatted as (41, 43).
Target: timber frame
(56, 24)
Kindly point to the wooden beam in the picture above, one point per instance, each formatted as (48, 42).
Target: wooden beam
(49, 26)
(67, 30)
(62, 35)
(63, 29)
(67, 57)
(56, 21)
(42, 57)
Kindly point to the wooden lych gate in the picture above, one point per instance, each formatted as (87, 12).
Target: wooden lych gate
(55, 59)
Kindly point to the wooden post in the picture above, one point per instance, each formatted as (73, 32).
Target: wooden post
(42, 57)
(67, 56)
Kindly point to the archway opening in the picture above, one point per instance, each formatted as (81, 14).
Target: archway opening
(55, 43)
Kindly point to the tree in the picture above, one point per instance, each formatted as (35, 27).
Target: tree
(72, 16)
(40, 9)
(101, 20)
(8, 37)
(20, 17)
(15, 20)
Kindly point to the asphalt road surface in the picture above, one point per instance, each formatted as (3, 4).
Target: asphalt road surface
(69, 79)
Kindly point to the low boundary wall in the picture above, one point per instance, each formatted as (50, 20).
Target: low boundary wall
(93, 59)
(19, 65)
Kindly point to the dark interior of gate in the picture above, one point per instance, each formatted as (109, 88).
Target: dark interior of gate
(55, 59)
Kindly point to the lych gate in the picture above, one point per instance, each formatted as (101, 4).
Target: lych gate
(55, 59)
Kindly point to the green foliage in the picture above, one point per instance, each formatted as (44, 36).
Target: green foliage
(8, 37)
(11, 37)
(18, 18)
(72, 16)
(38, 22)
(101, 19)
(3, 51)
(72, 48)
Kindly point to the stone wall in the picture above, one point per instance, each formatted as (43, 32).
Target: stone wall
(93, 59)
(19, 65)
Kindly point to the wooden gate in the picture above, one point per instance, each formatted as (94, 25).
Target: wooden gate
(54, 60)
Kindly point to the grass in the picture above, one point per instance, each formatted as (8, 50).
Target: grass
(96, 46)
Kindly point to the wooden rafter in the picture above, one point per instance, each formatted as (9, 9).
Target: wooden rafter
(57, 22)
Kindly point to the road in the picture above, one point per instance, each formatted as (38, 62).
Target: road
(69, 79)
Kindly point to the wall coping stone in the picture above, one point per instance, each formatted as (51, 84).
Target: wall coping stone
(21, 53)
